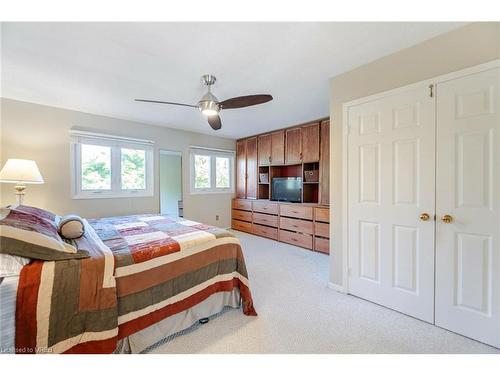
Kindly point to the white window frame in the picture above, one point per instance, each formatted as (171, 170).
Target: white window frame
(116, 143)
(213, 153)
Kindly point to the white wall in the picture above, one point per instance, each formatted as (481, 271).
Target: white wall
(170, 183)
(464, 47)
(41, 133)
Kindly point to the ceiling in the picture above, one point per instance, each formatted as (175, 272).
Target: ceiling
(101, 67)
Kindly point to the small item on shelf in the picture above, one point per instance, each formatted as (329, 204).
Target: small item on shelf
(264, 178)
(311, 175)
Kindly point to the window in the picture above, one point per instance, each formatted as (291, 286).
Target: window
(212, 171)
(110, 167)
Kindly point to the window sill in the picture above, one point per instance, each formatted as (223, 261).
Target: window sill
(202, 192)
(111, 196)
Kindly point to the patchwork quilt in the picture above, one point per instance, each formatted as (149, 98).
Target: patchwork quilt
(142, 269)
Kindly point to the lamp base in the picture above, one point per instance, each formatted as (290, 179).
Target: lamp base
(20, 193)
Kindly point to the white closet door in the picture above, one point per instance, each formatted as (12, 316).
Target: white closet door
(468, 189)
(391, 161)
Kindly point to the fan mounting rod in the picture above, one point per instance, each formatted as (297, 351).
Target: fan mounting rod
(208, 79)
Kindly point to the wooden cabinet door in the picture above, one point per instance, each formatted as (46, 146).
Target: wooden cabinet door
(252, 168)
(278, 148)
(241, 168)
(310, 143)
(264, 149)
(324, 163)
(293, 149)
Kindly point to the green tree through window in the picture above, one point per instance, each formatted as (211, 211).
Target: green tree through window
(133, 169)
(96, 167)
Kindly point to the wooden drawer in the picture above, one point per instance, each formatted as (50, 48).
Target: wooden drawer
(297, 239)
(242, 215)
(270, 220)
(265, 207)
(301, 212)
(241, 204)
(322, 229)
(322, 214)
(322, 245)
(263, 231)
(241, 225)
(296, 225)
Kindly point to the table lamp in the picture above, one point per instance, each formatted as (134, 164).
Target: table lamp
(20, 172)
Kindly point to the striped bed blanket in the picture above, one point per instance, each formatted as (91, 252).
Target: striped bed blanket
(142, 269)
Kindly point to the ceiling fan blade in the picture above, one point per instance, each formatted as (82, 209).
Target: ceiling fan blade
(245, 101)
(160, 102)
(214, 122)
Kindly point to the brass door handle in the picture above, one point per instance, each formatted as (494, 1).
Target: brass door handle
(424, 217)
(447, 219)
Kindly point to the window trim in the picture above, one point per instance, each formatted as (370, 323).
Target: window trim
(213, 153)
(116, 143)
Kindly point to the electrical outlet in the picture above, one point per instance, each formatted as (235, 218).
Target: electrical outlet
(216, 217)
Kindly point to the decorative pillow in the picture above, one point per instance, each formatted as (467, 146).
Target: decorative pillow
(31, 236)
(70, 226)
(44, 214)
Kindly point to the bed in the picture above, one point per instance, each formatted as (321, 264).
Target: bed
(142, 279)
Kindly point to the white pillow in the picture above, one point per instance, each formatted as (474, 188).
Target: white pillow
(11, 265)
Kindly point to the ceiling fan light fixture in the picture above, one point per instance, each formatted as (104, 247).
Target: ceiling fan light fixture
(210, 112)
(209, 107)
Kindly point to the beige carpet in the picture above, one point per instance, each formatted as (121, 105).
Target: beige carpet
(299, 314)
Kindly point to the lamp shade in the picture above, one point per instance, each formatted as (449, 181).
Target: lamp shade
(21, 170)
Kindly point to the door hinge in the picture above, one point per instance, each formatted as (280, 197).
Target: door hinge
(431, 90)
(349, 271)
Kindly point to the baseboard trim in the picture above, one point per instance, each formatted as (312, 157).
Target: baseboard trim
(336, 287)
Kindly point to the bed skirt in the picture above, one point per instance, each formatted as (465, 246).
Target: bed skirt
(156, 335)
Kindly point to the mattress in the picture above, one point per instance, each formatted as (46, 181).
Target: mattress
(8, 290)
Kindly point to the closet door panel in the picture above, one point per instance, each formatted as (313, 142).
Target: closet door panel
(468, 190)
(390, 185)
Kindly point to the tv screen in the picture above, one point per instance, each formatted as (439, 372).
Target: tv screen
(287, 189)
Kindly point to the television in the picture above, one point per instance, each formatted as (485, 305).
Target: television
(286, 189)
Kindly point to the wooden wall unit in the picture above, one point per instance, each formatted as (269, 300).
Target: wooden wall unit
(322, 229)
(324, 163)
(241, 168)
(278, 147)
(310, 143)
(252, 168)
(293, 146)
(264, 146)
(303, 148)
(298, 224)
(246, 168)
(289, 152)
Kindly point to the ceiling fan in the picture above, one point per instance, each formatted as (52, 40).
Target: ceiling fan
(210, 106)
